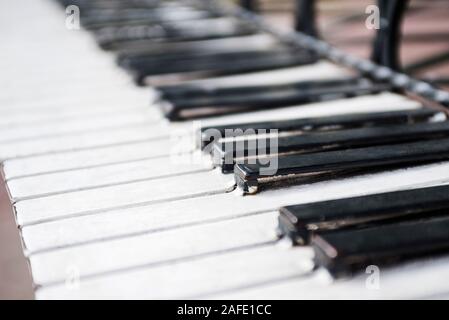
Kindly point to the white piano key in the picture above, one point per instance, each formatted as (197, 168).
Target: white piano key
(436, 296)
(26, 148)
(110, 90)
(152, 248)
(82, 179)
(107, 92)
(419, 279)
(96, 74)
(96, 66)
(188, 279)
(66, 89)
(121, 196)
(365, 104)
(91, 68)
(19, 111)
(159, 216)
(257, 42)
(49, 85)
(134, 117)
(72, 160)
(321, 70)
(30, 117)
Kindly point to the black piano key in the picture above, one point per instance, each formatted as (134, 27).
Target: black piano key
(96, 19)
(89, 5)
(309, 167)
(117, 38)
(300, 222)
(175, 62)
(226, 154)
(337, 122)
(219, 64)
(188, 94)
(199, 49)
(193, 108)
(164, 53)
(348, 251)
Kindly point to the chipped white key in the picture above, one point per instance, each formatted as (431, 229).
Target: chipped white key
(317, 71)
(78, 125)
(76, 110)
(90, 178)
(189, 279)
(152, 248)
(121, 196)
(71, 160)
(17, 149)
(365, 104)
(110, 224)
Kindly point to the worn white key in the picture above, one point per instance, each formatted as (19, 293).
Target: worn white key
(364, 104)
(190, 279)
(72, 160)
(259, 41)
(104, 84)
(153, 218)
(152, 248)
(135, 117)
(68, 89)
(125, 97)
(121, 196)
(82, 141)
(77, 109)
(82, 179)
(106, 77)
(63, 107)
(97, 73)
(321, 70)
(175, 214)
(413, 280)
(99, 67)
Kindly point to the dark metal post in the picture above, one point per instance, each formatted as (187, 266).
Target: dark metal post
(250, 5)
(305, 16)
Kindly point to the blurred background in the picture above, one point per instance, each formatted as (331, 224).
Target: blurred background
(424, 53)
(424, 46)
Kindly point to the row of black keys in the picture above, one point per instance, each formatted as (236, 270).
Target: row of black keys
(166, 60)
(156, 38)
(309, 150)
(350, 234)
(346, 234)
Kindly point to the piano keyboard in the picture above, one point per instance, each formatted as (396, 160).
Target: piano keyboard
(116, 196)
